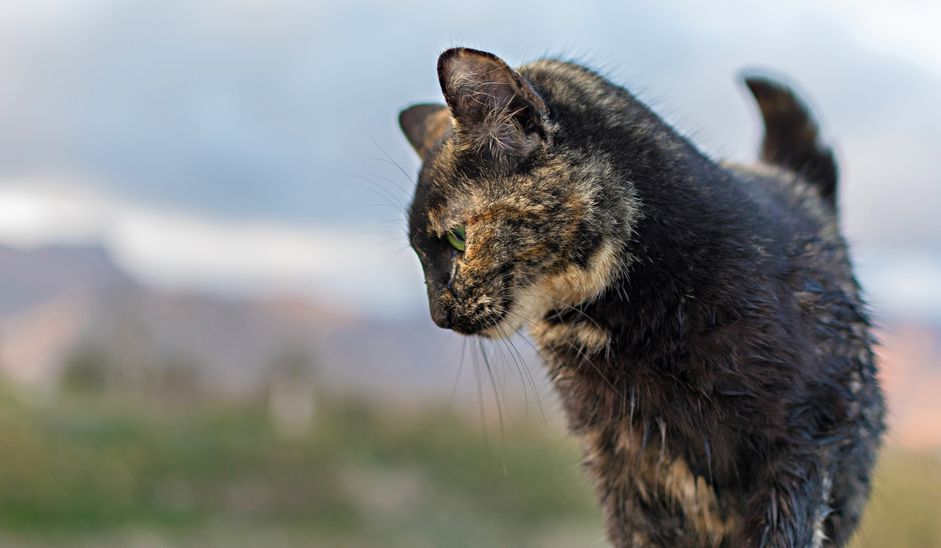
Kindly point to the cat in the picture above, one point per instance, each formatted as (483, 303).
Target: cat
(700, 321)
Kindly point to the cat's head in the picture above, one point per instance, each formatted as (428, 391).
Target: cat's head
(510, 218)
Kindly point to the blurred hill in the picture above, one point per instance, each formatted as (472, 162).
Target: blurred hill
(910, 366)
(58, 304)
(33, 276)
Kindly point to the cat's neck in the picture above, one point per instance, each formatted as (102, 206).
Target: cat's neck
(686, 246)
(683, 258)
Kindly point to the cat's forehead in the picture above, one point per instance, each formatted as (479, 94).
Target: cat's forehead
(455, 197)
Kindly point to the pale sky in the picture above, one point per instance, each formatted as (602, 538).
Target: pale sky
(229, 146)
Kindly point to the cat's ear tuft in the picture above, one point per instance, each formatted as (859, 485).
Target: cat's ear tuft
(423, 125)
(495, 108)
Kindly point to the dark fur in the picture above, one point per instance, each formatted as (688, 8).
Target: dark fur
(719, 368)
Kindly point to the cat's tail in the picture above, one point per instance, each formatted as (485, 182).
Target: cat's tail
(792, 137)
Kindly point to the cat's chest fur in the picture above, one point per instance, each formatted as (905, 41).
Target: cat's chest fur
(631, 443)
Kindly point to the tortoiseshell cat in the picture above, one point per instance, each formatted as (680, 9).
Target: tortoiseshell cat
(700, 321)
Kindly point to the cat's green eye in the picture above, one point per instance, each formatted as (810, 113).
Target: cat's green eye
(456, 237)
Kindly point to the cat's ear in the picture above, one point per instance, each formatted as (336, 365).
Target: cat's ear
(494, 107)
(423, 125)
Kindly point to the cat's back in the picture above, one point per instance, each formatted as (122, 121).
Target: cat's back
(805, 248)
(813, 267)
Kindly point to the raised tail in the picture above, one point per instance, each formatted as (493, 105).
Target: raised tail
(792, 138)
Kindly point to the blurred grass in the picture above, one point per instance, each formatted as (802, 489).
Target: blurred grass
(98, 472)
(905, 508)
(92, 471)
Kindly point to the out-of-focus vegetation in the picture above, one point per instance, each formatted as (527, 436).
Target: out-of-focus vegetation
(97, 469)
(905, 508)
(112, 471)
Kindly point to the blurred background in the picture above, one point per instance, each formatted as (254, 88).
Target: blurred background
(212, 331)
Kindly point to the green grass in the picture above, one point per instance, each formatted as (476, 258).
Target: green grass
(87, 471)
(92, 471)
(905, 508)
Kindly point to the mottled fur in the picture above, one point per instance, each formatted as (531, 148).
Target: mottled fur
(700, 322)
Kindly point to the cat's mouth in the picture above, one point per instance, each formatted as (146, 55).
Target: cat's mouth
(499, 314)
(500, 325)
(524, 310)
(502, 329)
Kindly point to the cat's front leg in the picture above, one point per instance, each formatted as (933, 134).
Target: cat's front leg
(635, 523)
(789, 509)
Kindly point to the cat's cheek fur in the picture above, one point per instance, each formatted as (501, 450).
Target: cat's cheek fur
(576, 285)
(526, 309)
(573, 286)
